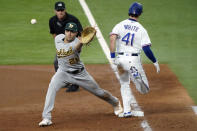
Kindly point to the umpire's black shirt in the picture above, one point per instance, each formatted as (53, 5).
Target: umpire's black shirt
(57, 27)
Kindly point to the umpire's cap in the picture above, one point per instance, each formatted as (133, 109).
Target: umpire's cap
(71, 27)
(135, 9)
(60, 5)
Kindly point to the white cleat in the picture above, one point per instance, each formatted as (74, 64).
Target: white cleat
(118, 109)
(45, 122)
(125, 114)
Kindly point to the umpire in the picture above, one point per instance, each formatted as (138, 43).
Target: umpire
(56, 26)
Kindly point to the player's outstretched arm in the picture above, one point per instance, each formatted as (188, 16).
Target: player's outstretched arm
(79, 45)
(151, 56)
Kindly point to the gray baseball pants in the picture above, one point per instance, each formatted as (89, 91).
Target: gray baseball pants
(83, 79)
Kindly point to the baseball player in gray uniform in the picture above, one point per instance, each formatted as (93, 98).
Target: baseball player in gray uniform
(72, 70)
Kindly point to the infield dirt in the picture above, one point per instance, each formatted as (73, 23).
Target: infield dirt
(23, 88)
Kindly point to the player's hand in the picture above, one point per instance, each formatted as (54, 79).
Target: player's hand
(156, 64)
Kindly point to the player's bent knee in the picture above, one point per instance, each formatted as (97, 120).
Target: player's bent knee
(143, 89)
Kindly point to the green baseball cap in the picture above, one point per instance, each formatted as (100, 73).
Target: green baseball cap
(71, 26)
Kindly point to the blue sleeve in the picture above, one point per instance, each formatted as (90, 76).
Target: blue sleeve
(149, 53)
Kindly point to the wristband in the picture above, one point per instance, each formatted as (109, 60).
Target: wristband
(112, 54)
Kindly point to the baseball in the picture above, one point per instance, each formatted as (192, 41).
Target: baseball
(33, 21)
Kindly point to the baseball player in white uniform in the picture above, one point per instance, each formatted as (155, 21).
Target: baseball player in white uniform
(72, 70)
(127, 40)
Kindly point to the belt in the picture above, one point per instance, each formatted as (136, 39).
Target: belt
(132, 54)
(76, 71)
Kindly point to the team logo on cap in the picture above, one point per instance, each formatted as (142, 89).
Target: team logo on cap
(60, 4)
(70, 26)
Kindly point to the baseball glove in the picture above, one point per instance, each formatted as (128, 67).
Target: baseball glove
(87, 35)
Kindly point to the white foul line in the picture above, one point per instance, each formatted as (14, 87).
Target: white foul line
(106, 50)
(93, 23)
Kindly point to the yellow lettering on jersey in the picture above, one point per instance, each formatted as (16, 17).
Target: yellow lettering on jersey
(63, 53)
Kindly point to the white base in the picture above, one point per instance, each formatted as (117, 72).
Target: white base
(137, 113)
(194, 109)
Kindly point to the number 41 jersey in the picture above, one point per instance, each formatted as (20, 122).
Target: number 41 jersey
(131, 36)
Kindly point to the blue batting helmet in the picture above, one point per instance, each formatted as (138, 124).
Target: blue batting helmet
(135, 9)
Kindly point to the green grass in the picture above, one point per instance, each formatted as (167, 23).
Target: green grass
(171, 25)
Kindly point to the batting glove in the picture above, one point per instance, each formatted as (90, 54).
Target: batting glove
(156, 64)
